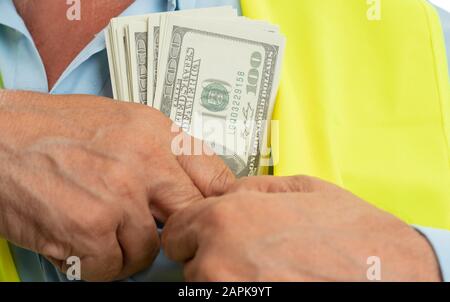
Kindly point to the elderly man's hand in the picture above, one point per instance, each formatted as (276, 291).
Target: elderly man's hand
(293, 229)
(84, 176)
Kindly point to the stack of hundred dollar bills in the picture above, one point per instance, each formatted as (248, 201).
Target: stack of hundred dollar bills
(215, 74)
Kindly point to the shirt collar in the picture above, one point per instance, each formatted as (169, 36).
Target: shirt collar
(9, 17)
(139, 7)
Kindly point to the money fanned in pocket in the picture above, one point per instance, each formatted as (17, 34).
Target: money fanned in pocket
(119, 43)
(213, 73)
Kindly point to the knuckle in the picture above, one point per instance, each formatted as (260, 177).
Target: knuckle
(154, 248)
(301, 183)
(54, 250)
(150, 116)
(101, 268)
(166, 235)
(220, 183)
(151, 241)
(171, 198)
(101, 220)
(220, 216)
(121, 180)
(247, 184)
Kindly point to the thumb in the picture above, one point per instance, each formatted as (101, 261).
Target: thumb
(273, 184)
(195, 178)
(208, 172)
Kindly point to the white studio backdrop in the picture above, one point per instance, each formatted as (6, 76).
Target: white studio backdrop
(445, 4)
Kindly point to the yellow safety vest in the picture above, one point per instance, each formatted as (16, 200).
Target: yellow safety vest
(7, 267)
(364, 102)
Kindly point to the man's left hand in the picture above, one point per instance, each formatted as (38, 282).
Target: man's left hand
(294, 229)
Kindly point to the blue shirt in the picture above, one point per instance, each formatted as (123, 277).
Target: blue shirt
(23, 69)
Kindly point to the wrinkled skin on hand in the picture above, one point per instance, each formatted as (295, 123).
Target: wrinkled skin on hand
(293, 229)
(84, 176)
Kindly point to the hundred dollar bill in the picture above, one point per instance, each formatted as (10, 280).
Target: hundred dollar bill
(118, 56)
(138, 45)
(124, 37)
(218, 81)
(112, 58)
(155, 37)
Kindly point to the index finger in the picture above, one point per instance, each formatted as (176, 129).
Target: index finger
(180, 237)
(277, 184)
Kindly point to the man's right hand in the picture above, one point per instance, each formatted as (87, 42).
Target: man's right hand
(84, 176)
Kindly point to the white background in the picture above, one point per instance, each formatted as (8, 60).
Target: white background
(445, 4)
